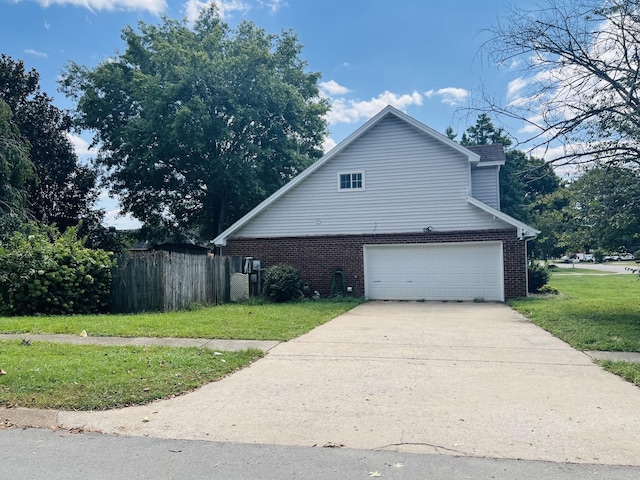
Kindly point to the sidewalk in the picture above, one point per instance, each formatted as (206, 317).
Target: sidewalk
(228, 345)
(213, 344)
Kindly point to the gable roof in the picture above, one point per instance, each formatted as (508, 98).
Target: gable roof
(473, 157)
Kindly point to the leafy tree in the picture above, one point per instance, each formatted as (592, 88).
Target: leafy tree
(197, 125)
(579, 67)
(484, 133)
(62, 191)
(607, 204)
(450, 134)
(556, 218)
(523, 179)
(15, 166)
(600, 210)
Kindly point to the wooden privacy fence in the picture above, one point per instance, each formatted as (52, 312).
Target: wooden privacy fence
(162, 281)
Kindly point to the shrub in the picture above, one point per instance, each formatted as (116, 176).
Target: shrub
(282, 283)
(42, 271)
(636, 255)
(548, 289)
(538, 276)
(598, 255)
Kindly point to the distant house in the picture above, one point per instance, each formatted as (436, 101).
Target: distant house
(402, 211)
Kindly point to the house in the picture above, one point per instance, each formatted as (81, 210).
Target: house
(402, 211)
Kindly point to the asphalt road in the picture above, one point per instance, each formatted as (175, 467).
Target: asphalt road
(36, 454)
(612, 267)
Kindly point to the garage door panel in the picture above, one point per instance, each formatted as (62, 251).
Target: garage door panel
(474, 278)
(434, 271)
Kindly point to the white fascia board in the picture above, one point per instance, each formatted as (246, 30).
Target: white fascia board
(496, 163)
(524, 230)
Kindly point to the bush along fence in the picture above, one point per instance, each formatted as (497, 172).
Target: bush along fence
(163, 281)
(45, 272)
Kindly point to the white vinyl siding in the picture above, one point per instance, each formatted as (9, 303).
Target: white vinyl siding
(485, 185)
(465, 271)
(413, 181)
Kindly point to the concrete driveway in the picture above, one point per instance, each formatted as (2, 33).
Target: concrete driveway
(453, 378)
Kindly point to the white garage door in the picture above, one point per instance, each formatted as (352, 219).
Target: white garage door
(445, 271)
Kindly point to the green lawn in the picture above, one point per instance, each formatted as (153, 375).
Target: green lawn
(592, 312)
(89, 377)
(230, 321)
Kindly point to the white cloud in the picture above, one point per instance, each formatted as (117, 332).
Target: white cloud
(449, 95)
(351, 111)
(80, 146)
(35, 53)
(47, 25)
(515, 87)
(193, 8)
(332, 88)
(273, 5)
(453, 95)
(154, 6)
(327, 144)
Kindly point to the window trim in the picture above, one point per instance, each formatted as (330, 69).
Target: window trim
(351, 188)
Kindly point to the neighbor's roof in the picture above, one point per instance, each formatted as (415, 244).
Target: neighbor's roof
(492, 154)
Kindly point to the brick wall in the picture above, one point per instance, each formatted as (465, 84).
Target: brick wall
(318, 257)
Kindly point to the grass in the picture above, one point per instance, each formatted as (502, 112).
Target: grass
(88, 377)
(230, 321)
(592, 312)
(627, 370)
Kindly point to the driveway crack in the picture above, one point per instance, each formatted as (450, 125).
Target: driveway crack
(422, 444)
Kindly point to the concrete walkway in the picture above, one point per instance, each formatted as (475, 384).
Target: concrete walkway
(220, 344)
(215, 344)
(450, 378)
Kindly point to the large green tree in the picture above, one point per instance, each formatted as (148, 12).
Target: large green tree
(15, 166)
(197, 124)
(16, 170)
(606, 202)
(560, 231)
(601, 209)
(62, 191)
(523, 179)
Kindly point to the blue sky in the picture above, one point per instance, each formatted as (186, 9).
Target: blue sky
(418, 55)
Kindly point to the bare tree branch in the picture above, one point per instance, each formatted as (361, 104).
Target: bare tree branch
(576, 65)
